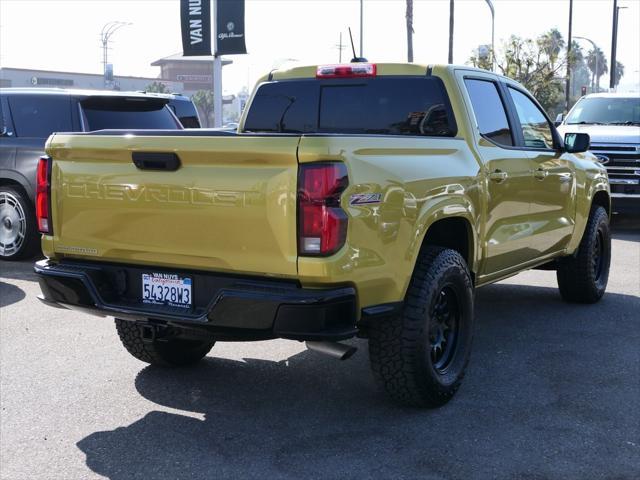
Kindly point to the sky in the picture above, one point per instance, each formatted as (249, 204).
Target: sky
(64, 34)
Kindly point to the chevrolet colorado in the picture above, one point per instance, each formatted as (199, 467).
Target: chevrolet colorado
(355, 200)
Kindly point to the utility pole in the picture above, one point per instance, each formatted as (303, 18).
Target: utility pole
(361, 25)
(340, 46)
(568, 86)
(614, 44)
(409, 31)
(614, 40)
(451, 31)
(216, 77)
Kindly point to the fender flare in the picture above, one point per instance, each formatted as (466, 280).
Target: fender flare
(441, 208)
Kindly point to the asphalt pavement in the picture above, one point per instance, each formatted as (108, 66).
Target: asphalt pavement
(552, 392)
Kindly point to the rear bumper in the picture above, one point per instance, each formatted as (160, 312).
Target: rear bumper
(229, 306)
(625, 203)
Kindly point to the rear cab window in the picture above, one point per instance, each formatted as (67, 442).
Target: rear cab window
(38, 116)
(102, 113)
(385, 105)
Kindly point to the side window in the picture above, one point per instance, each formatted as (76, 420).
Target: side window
(489, 111)
(535, 128)
(38, 116)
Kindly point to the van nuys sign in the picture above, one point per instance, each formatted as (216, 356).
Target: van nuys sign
(195, 18)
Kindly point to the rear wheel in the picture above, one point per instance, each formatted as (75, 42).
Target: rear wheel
(167, 352)
(420, 356)
(18, 233)
(583, 277)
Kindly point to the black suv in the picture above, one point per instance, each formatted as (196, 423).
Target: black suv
(28, 116)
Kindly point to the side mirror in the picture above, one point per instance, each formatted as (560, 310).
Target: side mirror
(576, 142)
(559, 119)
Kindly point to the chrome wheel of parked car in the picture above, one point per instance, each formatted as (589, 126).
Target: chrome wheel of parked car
(13, 224)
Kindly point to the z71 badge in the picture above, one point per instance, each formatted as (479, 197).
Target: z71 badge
(364, 198)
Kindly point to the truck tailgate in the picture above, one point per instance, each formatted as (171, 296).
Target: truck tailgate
(230, 206)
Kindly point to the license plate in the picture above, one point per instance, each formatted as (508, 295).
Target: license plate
(166, 289)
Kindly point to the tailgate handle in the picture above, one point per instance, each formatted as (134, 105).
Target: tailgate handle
(168, 161)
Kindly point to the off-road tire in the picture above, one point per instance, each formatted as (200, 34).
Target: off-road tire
(583, 278)
(169, 352)
(401, 348)
(30, 243)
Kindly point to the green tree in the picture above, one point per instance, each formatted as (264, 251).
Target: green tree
(601, 65)
(157, 87)
(536, 64)
(552, 45)
(580, 73)
(203, 100)
(481, 57)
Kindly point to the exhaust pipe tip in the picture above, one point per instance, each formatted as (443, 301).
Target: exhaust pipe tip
(333, 349)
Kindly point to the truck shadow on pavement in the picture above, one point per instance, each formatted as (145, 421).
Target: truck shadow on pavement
(539, 388)
(10, 294)
(19, 270)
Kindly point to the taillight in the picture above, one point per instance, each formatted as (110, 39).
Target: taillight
(322, 224)
(43, 195)
(348, 70)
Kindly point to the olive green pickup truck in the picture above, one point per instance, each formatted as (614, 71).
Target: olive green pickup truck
(362, 199)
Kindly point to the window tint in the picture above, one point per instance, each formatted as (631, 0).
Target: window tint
(489, 111)
(127, 113)
(38, 116)
(535, 128)
(393, 106)
(383, 105)
(289, 106)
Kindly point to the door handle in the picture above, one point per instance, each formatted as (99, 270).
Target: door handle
(541, 173)
(498, 176)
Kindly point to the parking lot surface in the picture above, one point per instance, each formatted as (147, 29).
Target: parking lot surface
(552, 392)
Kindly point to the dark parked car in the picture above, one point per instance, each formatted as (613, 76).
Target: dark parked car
(28, 116)
(185, 110)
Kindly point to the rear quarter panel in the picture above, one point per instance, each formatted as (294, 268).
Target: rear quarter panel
(420, 180)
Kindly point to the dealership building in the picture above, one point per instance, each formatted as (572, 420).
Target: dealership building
(185, 75)
(180, 74)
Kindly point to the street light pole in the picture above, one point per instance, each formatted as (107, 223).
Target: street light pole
(595, 53)
(450, 31)
(493, 31)
(614, 44)
(568, 86)
(107, 31)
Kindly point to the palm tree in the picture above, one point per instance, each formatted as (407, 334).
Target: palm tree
(602, 67)
(552, 43)
(619, 72)
(409, 17)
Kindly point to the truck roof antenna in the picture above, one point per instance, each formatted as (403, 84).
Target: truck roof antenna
(355, 58)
